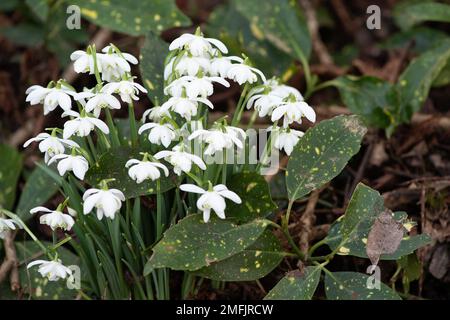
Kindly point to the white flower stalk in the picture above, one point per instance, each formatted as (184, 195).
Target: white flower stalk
(285, 138)
(54, 218)
(186, 107)
(115, 64)
(52, 270)
(242, 73)
(159, 133)
(194, 87)
(7, 225)
(128, 90)
(197, 45)
(180, 160)
(187, 66)
(50, 97)
(212, 199)
(81, 125)
(144, 170)
(293, 112)
(50, 145)
(155, 114)
(75, 163)
(98, 101)
(218, 140)
(221, 65)
(107, 202)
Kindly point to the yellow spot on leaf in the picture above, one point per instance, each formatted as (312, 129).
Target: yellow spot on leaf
(89, 13)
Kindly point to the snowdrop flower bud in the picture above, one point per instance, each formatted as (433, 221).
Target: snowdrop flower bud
(97, 101)
(52, 270)
(180, 160)
(7, 225)
(106, 201)
(82, 125)
(285, 138)
(159, 133)
(143, 170)
(128, 90)
(54, 218)
(196, 44)
(155, 114)
(218, 140)
(78, 164)
(213, 199)
(185, 107)
(221, 65)
(50, 97)
(242, 73)
(50, 145)
(293, 112)
(84, 62)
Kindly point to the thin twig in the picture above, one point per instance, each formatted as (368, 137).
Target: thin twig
(307, 221)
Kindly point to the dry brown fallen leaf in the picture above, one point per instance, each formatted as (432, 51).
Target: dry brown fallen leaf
(384, 236)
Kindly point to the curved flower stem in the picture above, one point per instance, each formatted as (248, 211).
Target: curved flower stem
(285, 228)
(92, 147)
(115, 136)
(240, 106)
(133, 129)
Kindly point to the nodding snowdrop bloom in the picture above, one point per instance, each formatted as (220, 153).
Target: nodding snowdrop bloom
(293, 112)
(98, 101)
(7, 225)
(82, 125)
(264, 103)
(106, 201)
(186, 107)
(155, 114)
(159, 133)
(242, 73)
(194, 87)
(285, 138)
(114, 63)
(143, 170)
(52, 270)
(50, 145)
(221, 65)
(50, 97)
(197, 45)
(284, 91)
(84, 62)
(214, 199)
(54, 219)
(180, 160)
(217, 139)
(128, 90)
(187, 66)
(77, 164)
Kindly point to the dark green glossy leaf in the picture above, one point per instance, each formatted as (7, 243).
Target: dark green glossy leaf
(192, 244)
(39, 8)
(421, 39)
(255, 262)
(353, 286)
(407, 15)
(111, 165)
(296, 286)
(10, 168)
(322, 153)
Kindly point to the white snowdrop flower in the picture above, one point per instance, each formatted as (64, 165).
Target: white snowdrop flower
(143, 170)
(82, 125)
(98, 101)
(7, 225)
(115, 64)
(107, 202)
(214, 199)
(180, 160)
(194, 87)
(192, 65)
(159, 133)
(84, 62)
(221, 65)
(285, 138)
(128, 90)
(264, 103)
(78, 164)
(54, 218)
(185, 107)
(197, 45)
(293, 112)
(52, 270)
(50, 97)
(284, 91)
(217, 139)
(155, 114)
(242, 73)
(50, 145)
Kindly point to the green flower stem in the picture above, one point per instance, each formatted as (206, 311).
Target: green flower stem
(252, 119)
(133, 129)
(224, 168)
(92, 148)
(112, 128)
(240, 106)
(285, 228)
(159, 200)
(265, 154)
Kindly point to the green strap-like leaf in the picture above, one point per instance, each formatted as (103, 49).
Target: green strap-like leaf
(296, 286)
(354, 286)
(322, 153)
(407, 15)
(10, 168)
(192, 244)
